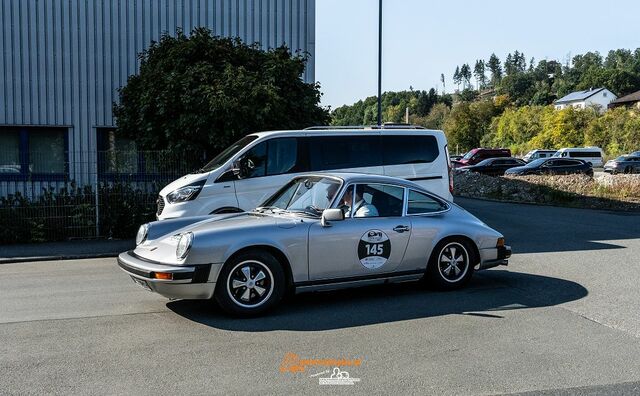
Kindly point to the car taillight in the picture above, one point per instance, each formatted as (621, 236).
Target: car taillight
(450, 180)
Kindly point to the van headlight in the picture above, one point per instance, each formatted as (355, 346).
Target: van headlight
(141, 236)
(186, 193)
(184, 244)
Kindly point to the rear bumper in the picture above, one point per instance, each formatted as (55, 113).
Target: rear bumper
(189, 282)
(494, 257)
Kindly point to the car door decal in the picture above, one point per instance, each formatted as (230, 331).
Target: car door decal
(374, 249)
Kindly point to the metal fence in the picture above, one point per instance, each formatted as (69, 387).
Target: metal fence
(48, 196)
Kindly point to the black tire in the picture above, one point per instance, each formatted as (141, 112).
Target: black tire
(628, 170)
(244, 296)
(442, 267)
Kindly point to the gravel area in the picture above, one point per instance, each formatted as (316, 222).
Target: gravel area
(603, 191)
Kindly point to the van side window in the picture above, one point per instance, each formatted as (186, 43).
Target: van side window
(282, 155)
(256, 160)
(342, 152)
(418, 149)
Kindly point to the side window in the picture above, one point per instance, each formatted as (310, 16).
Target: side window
(377, 200)
(256, 160)
(564, 154)
(281, 155)
(420, 203)
(418, 149)
(343, 152)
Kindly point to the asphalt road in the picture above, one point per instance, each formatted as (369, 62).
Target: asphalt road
(564, 318)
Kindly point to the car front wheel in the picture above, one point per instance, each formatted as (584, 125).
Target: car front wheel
(250, 284)
(451, 264)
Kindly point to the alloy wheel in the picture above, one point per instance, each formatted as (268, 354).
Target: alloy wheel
(250, 284)
(453, 262)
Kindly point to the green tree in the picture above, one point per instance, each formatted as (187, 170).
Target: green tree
(457, 77)
(465, 73)
(199, 93)
(469, 122)
(479, 73)
(495, 68)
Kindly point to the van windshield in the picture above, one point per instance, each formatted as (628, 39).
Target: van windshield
(229, 152)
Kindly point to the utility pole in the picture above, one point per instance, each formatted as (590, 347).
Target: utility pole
(379, 62)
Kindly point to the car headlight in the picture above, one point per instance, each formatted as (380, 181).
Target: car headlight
(185, 193)
(141, 236)
(184, 244)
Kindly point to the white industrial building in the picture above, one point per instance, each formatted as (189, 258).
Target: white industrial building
(62, 61)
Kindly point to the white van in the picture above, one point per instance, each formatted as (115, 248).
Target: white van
(590, 154)
(537, 154)
(252, 169)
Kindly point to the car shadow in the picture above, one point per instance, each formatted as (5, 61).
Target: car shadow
(488, 295)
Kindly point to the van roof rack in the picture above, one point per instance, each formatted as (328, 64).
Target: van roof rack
(386, 125)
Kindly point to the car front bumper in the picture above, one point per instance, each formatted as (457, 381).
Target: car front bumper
(494, 257)
(188, 282)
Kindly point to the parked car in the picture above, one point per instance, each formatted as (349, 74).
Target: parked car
(304, 239)
(552, 166)
(493, 166)
(593, 155)
(623, 164)
(479, 154)
(252, 169)
(537, 154)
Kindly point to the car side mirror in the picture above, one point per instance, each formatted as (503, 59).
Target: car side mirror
(228, 175)
(241, 168)
(329, 215)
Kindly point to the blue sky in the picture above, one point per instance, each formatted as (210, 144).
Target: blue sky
(422, 39)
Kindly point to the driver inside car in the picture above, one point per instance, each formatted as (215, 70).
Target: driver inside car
(361, 207)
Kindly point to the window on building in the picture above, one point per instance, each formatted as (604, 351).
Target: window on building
(10, 152)
(116, 155)
(33, 152)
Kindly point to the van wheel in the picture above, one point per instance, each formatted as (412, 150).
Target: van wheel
(250, 284)
(451, 264)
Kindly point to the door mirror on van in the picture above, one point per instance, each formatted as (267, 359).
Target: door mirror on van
(241, 167)
(228, 175)
(331, 215)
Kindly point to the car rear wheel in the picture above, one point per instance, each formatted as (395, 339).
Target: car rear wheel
(250, 284)
(451, 264)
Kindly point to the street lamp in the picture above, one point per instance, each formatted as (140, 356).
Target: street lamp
(380, 63)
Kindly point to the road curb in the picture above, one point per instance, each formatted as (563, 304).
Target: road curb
(548, 204)
(13, 260)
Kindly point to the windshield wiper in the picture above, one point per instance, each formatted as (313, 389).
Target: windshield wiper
(273, 209)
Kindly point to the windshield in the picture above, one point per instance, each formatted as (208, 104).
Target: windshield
(536, 163)
(469, 155)
(310, 195)
(229, 152)
(622, 158)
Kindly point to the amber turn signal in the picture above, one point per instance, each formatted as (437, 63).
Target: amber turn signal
(163, 275)
(500, 242)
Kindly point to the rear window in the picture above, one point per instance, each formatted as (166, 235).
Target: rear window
(418, 149)
(420, 203)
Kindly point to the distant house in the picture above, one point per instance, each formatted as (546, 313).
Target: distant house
(600, 97)
(631, 100)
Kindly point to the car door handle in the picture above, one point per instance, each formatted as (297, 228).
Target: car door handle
(401, 228)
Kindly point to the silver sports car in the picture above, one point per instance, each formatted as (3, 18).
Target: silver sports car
(319, 231)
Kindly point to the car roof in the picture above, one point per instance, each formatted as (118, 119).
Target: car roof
(353, 177)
